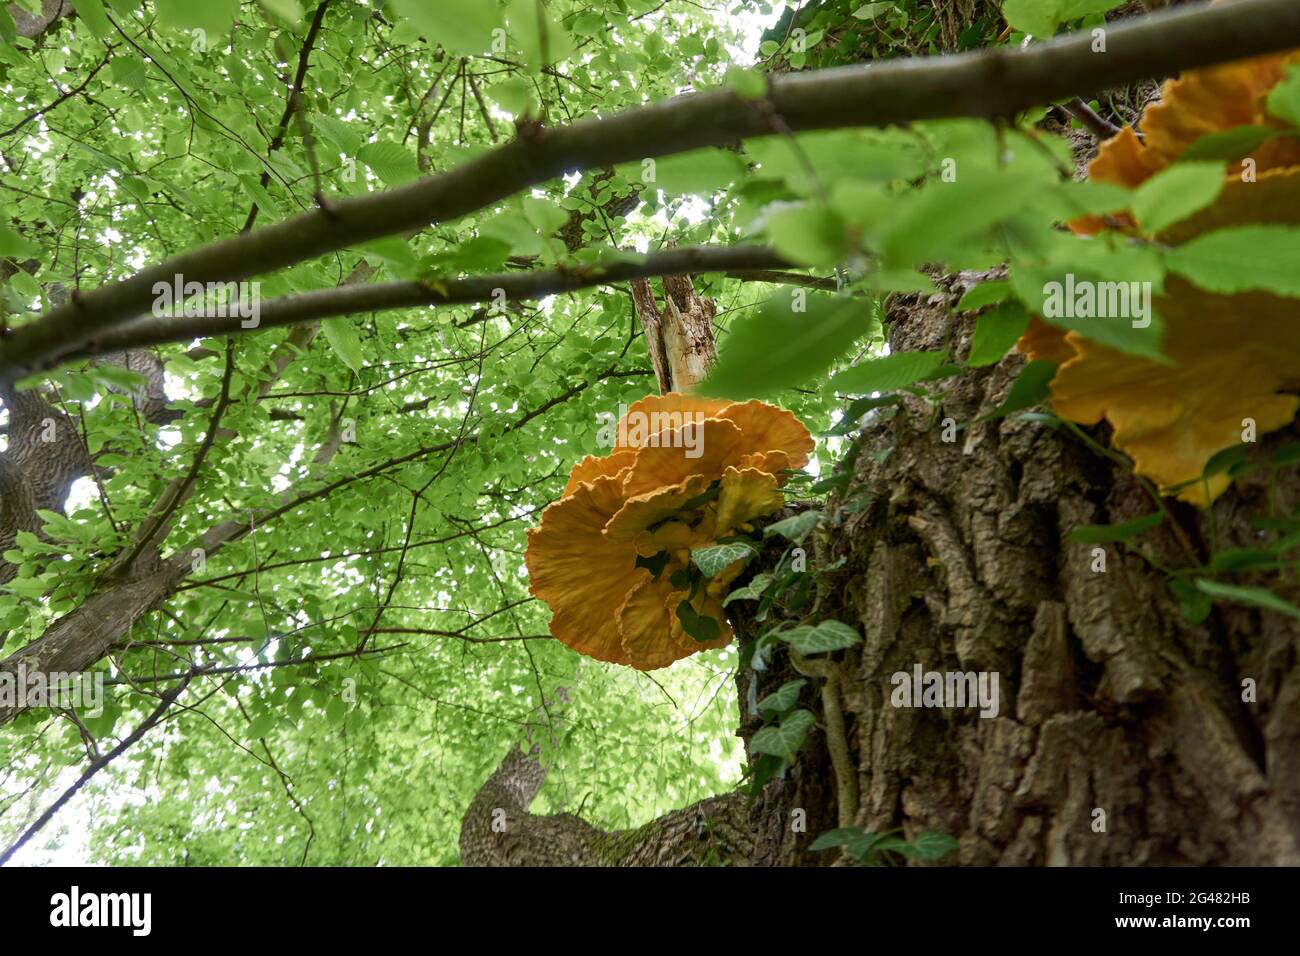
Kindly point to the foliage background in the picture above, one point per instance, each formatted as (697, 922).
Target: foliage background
(137, 130)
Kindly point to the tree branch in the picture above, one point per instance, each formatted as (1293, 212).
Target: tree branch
(350, 300)
(988, 84)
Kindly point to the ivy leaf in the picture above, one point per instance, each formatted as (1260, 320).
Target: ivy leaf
(1193, 604)
(713, 559)
(1241, 559)
(933, 846)
(796, 527)
(700, 627)
(823, 638)
(783, 698)
(855, 841)
(1259, 597)
(785, 739)
(1122, 531)
(753, 591)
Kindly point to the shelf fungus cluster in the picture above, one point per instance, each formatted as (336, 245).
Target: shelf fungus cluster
(1234, 351)
(612, 557)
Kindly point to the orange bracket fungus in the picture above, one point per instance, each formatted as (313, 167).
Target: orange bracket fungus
(1233, 357)
(612, 557)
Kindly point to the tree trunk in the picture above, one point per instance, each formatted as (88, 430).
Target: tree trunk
(1124, 734)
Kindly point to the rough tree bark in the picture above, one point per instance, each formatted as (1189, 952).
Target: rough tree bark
(957, 560)
(678, 337)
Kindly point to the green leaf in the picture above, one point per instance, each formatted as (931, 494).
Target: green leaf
(986, 293)
(1029, 389)
(782, 346)
(337, 133)
(390, 162)
(823, 638)
(1259, 597)
(515, 97)
(1284, 99)
(342, 337)
(1241, 559)
(460, 26)
(699, 171)
(785, 739)
(1241, 259)
(336, 710)
(12, 244)
(91, 13)
(869, 11)
(933, 846)
(544, 214)
(1194, 605)
(539, 39)
(287, 10)
(856, 842)
(1042, 17)
(888, 373)
(261, 725)
(747, 84)
(1106, 533)
(211, 16)
(942, 218)
(796, 527)
(1228, 144)
(783, 698)
(1175, 193)
(701, 627)
(996, 333)
(753, 591)
(1038, 17)
(713, 559)
(808, 234)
